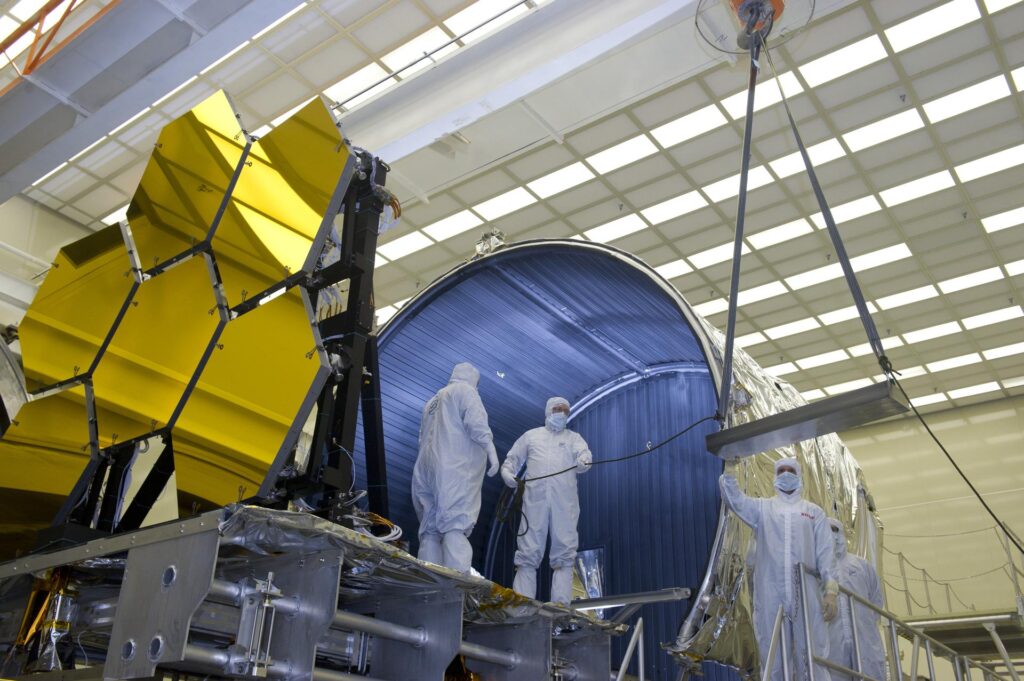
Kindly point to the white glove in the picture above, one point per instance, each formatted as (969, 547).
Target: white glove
(829, 606)
(492, 458)
(509, 477)
(583, 462)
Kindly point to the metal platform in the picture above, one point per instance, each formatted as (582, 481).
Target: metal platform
(995, 637)
(247, 592)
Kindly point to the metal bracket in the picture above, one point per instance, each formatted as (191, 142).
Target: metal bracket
(164, 583)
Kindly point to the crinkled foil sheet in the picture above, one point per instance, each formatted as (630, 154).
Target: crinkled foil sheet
(719, 627)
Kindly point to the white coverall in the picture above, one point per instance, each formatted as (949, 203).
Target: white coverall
(859, 576)
(788, 531)
(455, 445)
(551, 504)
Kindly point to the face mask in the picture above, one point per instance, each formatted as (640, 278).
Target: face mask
(787, 482)
(556, 421)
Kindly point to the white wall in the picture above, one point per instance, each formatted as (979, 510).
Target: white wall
(929, 513)
(37, 231)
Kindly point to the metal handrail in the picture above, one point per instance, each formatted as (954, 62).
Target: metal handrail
(961, 663)
(636, 643)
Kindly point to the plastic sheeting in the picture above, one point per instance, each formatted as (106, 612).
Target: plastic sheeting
(600, 327)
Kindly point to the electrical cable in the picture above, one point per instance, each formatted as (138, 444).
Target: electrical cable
(510, 508)
(1009, 535)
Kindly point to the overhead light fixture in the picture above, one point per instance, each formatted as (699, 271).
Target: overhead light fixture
(50, 174)
(925, 400)
(483, 12)
(1001, 221)
(118, 215)
(730, 186)
(843, 61)
(884, 130)
(347, 90)
(676, 268)
(713, 256)
(909, 372)
(385, 313)
(412, 56)
(503, 204)
(759, 293)
(967, 99)
(813, 394)
(622, 154)
(993, 163)
(1003, 351)
(816, 276)
(560, 180)
(223, 59)
(768, 94)
(846, 387)
(792, 328)
(129, 121)
(278, 22)
(403, 246)
(954, 362)
(780, 234)
(865, 348)
(689, 126)
(616, 229)
(882, 256)
(850, 210)
(931, 332)
(781, 369)
(1014, 268)
(820, 154)
(996, 316)
(712, 307)
(907, 297)
(844, 314)
(859, 263)
(970, 280)
(972, 390)
(674, 207)
(749, 339)
(932, 23)
(452, 225)
(821, 360)
(915, 189)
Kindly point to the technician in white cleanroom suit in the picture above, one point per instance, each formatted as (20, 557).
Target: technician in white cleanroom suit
(788, 531)
(859, 576)
(455, 442)
(549, 504)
